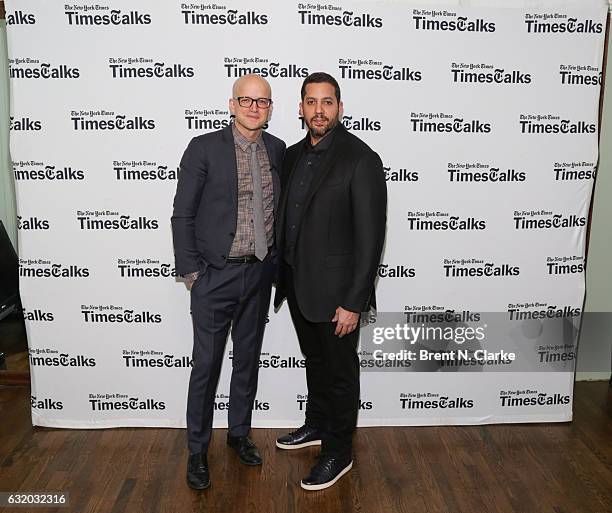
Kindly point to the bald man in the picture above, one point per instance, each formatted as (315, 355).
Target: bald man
(223, 232)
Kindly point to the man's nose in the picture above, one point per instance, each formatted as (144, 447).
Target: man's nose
(254, 107)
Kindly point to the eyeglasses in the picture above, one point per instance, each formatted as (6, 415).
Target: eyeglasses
(247, 101)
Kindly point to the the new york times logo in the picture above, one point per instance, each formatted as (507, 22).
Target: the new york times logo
(110, 121)
(222, 404)
(464, 73)
(474, 267)
(556, 353)
(275, 361)
(580, 75)
(206, 119)
(236, 67)
(432, 401)
(29, 268)
(572, 171)
(560, 265)
(439, 122)
(110, 220)
(109, 17)
(45, 357)
(20, 18)
(122, 402)
(25, 124)
(353, 69)
(400, 175)
(144, 268)
(151, 359)
(113, 314)
(142, 67)
(473, 172)
(32, 223)
(34, 69)
(430, 314)
(531, 310)
(545, 220)
(31, 170)
(557, 23)
(143, 171)
(395, 271)
(526, 397)
(443, 221)
(333, 16)
(551, 124)
(447, 21)
(38, 315)
(226, 17)
(45, 404)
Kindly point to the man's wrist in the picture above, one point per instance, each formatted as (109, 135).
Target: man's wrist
(191, 276)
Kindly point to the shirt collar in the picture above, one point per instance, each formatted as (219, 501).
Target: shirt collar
(243, 143)
(323, 144)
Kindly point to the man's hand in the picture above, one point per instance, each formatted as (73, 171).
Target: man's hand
(190, 279)
(346, 321)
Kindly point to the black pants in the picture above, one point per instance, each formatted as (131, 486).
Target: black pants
(332, 376)
(238, 296)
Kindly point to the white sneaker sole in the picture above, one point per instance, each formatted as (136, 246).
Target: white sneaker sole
(298, 446)
(329, 483)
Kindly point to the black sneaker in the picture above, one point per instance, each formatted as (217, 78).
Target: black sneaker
(304, 436)
(326, 472)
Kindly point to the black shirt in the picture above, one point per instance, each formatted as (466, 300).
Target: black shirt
(299, 187)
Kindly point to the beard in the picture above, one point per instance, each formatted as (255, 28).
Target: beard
(317, 132)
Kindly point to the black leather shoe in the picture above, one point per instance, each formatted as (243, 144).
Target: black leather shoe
(246, 449)
(326, 472)
(304, 436)
(198, 476)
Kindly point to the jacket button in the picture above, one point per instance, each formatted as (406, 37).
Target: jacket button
(223, 257)
(232, 234)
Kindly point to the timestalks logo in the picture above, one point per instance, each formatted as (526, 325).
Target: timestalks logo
(430, 20)
(144, 268)
(486, 74)
(400, 175)
(98, 220)
(518, 398)
(272, 70)
(34, 69)
(352, 69)
(32, 223)
(231, 17)
(38, 315)
(20, 18)
(580, 75)
(206, 119)
(344, 19)
(25, 124)
(478, 172)
(565, 265)
(543, 220)
(118, 314)
(433, 401)
(45, 404)
(446, 123)
(453, 223)
(53, 358)
(556, 353)
(155, 70)
(150, 359)
(517, 312)
(31, 170)
(40, 268)
(112, 122)
(275, 361)
(470, 268)
(571, 171)
(395, 271)
(363, 124)
(119, 402)
(550, 124)
(142, 170)
(544, 24)
(429, 314)
(113, 18)
(222, 404)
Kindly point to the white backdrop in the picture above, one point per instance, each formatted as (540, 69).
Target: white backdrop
(484, 111)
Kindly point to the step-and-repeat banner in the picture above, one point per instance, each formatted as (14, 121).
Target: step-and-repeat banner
(485, 117)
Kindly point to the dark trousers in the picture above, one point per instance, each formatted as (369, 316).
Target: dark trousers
(238, 296)
(332, 376)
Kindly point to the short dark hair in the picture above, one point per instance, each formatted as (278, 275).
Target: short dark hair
(321, 78)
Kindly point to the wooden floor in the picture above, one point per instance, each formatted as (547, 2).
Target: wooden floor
(556, 468)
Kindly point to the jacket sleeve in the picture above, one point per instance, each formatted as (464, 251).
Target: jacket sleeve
(191, 180)
(368, 191)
